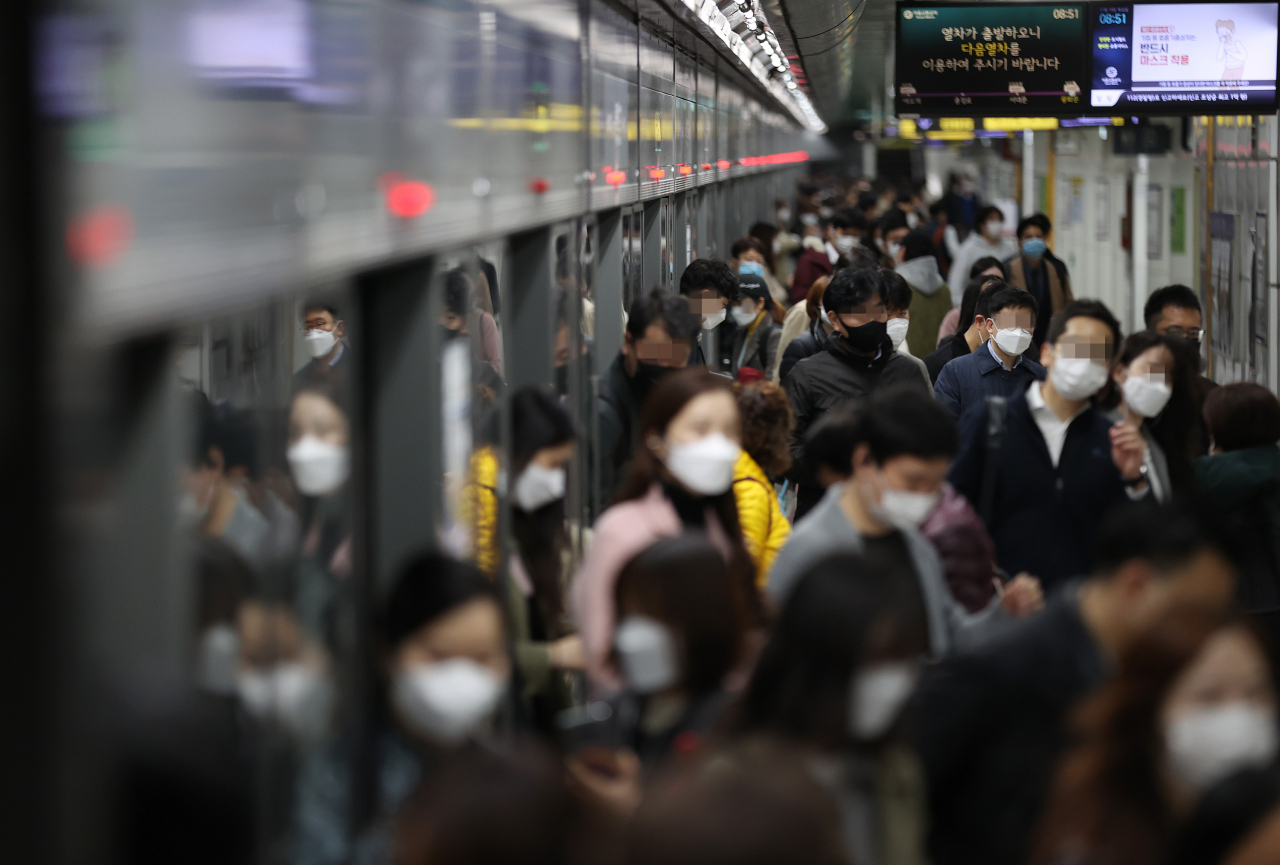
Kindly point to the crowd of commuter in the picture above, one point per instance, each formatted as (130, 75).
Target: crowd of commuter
(907, 555)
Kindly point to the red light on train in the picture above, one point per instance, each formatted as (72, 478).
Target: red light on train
(615, 178)
(706, 166)
(407, 198)
(723, 163)
(686, 169)
(539, 185)
(657, 173)
(96, 238)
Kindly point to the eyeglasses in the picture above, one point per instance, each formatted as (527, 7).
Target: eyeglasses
(1193, 333)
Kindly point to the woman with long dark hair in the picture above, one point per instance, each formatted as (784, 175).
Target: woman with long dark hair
(542, 443)
(1152, 380)
(1192, 704)
(680, 479)
(831, 685)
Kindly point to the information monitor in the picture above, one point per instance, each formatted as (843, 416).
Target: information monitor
(1005, 59)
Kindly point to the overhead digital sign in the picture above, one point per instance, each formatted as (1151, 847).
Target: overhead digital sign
(991, 59)
(1184, 58)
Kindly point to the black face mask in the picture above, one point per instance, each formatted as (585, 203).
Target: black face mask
(562, 379)
(447, 334)
(865, 338)
(647, 375)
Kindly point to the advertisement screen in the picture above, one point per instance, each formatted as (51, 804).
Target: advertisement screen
(1168, 58)
(996, 60)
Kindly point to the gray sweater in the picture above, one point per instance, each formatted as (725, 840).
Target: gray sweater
(826, 531)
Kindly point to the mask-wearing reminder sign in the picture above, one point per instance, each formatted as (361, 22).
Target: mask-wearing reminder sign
(1184, 58)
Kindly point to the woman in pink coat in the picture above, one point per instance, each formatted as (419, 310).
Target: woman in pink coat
(680, 479)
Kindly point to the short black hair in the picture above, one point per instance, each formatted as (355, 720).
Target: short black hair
(829, 442)
(852, 287)
(537, 421)
(937, 208)
(897, 292)
(987, 288)
(985, 262)
(1177, 296)
(985, 213)
(428, 586)
(918, 244)
(904, 420)
(892, 220)
(857, 219)
(1166, 536)
(457, 291)
(710, 274)
(313, 305)
(668, 309)
(1036, 220)
(1094, 309)
(1011, 297)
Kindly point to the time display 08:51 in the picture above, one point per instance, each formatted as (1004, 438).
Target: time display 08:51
(1113, 17)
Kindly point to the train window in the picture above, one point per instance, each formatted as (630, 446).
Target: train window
(265, 502)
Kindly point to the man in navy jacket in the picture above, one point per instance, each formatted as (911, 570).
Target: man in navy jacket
(1062, 464)
(998, 367)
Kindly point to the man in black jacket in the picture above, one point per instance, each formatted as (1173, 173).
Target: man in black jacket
(989, 723)
(860, 359)
(1062, 463)
(661, 330)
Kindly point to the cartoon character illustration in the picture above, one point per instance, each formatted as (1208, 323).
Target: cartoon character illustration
(1231, 52)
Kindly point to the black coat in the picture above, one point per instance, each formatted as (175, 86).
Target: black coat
(952, 347)
(807, 344)
(1043, 517)
(836, 377)
(617, 416)
(989, 725)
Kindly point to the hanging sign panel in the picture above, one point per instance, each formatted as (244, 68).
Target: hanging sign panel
(1184, 58)
(991, 59)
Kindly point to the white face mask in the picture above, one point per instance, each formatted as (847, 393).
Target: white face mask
(190, 512)
(319, 468)
(846, 243)
(809, 218)
(319, 342)
(647, 652)
(1013, 340)
(704, 466)
(993, 228)
(784, 217)
(538, 486)
(1206, 745)
(711, 320)
(913, 220)
(1077, 377)
(219, 659)
(897, 328)
(292, 695)
(894, 249)
(744, 315)
(1146, 396)
(877, 696)
(446, 701)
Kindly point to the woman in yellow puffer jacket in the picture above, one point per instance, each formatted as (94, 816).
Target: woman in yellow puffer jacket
(766, 435)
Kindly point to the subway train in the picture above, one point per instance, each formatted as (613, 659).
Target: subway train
(241, 240)
(188, 183)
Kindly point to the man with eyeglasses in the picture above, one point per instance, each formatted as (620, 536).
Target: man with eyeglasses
(1175, 311)
(322, 333)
